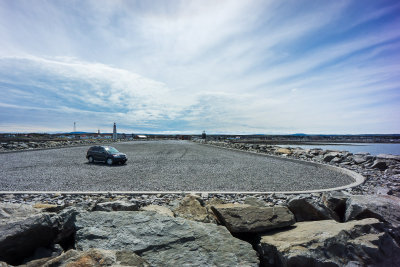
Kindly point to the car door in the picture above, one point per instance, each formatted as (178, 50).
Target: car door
(95, 153)
(102, 154)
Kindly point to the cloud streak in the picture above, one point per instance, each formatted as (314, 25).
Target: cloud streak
(186, 66)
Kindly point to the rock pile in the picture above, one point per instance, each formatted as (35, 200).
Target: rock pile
(382, 172)
(350, 230)
(18, 146)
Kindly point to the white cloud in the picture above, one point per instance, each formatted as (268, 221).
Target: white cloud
(226, 66)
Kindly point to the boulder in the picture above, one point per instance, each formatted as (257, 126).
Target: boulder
(383, 207)
(336, 160)
(330, 156)
(159, 209)
(48, 207)
(242, 218)
(42, 254)
(118, 205)
(284, 151)
(388, 157)
(336, 201)
(358, 159)
(253, 201)
(329, 243)
(22, 230)
(316, 151)
(162, 240)
(191, 207)
(11, 212)
(307, 209)
(379, 164)
(92, 257)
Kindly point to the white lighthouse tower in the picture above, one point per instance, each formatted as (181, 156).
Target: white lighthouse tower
(115, 132)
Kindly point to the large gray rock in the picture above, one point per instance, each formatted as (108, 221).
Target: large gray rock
(383, 207)
(91, 257)
(330, 156)
(358, 159)
(336, 201)
(118, 205)
(329, 243)
(159, 209)
(307, 209)
(162, 240)
(23, 230)
(253, 201)
(388, 157)
(242, 218)
(191, 207)
(379, 164)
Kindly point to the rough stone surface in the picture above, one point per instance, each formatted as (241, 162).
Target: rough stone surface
(379, 164)
(307, 209)
(116, 206)
(284, 151)
(336, 201)
(162, 240)
(252, 201)
(383, 207)
(191, 207)
(242, 218)
(91, 258)
(329, 243)
(330, 156)
(159, 209)
(23, 230)
(358, 159)
(388, 157)
(10, 211)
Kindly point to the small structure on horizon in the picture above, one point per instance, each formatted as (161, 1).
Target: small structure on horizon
(115, 132)
(203, 135)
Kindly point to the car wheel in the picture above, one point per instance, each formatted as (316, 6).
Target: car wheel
(109, 161)
(91, 160)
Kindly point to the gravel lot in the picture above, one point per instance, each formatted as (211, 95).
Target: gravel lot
(161, 166)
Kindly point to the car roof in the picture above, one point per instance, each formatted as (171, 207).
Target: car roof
(99, 146)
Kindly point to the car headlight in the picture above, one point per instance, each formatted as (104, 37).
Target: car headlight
(116, 156)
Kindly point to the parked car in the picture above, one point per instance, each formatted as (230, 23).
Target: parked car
(107, 154)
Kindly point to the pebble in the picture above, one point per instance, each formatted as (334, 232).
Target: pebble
(387, 181)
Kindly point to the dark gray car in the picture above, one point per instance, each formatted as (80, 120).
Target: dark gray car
(107, 154)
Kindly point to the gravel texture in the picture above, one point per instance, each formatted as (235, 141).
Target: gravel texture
(162, 166)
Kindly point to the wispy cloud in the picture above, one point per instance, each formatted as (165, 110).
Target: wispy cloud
(187, 66)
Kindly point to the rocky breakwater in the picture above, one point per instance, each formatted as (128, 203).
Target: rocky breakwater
(21, 146)
(382, 172)
(337, 229)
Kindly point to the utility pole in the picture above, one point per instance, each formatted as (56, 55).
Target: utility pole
(74, 126)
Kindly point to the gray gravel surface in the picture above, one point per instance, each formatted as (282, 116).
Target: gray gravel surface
(162, 166)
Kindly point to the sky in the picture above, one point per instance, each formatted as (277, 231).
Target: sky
(235, 67)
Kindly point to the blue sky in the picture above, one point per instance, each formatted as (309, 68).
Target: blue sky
(271, 67)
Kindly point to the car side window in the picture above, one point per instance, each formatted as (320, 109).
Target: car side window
(102, 150)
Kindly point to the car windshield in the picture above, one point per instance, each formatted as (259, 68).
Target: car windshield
(111, 150)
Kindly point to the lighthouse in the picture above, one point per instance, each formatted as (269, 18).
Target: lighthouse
(115, 132)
